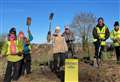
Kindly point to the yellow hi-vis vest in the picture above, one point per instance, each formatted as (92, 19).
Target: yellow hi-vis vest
(13, 58)
(101, 34)
(115, 35)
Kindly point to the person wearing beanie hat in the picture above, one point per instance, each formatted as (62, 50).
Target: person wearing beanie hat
(100, 34)
(59, 49)
(12, 52)
(115, 37)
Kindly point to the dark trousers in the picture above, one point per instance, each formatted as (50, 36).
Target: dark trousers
(117, 50)
(12, 71)
(59, 60)
(26, 64)
(71, 48)
(97, 53)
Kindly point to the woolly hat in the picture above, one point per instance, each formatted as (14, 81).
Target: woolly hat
(116, 23)
(57, 27)
(12, 30)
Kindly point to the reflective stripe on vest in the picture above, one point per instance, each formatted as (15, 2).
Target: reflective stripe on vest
(101, 33)
(103, 43)
(9, 50)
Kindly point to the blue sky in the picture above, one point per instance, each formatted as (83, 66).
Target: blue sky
(14, 13)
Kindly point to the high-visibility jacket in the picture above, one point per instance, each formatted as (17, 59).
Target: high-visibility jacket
(115, 35)
(101, 34)
(12, 57)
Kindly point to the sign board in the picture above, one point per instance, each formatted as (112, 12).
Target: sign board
(71, 70)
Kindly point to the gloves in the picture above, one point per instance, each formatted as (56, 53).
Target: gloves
(20, 53)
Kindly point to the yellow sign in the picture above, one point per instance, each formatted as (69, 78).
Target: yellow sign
(71, 70)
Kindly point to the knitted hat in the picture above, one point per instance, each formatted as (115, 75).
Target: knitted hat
(57, 27)
(116, 23)
(100, 18)
(12, 30)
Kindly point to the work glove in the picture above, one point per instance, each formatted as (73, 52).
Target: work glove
(114, 40)
(20, 53)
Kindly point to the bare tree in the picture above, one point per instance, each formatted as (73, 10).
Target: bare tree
(82, 26)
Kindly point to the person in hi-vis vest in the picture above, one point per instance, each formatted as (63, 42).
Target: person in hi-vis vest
(115, 37)
(100, 34)
(13, 54)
